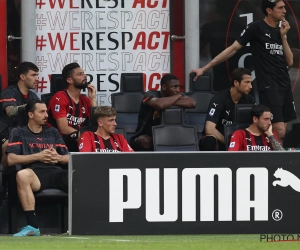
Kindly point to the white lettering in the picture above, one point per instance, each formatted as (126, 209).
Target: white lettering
(244, 203)
(258, 148)
(206, 193)
(116, 203)
(170, 212)
(260, 202)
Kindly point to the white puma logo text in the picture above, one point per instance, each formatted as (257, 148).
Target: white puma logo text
(268, 35)
(286, 179)
(228, 112)
(215, 104)
(57, 98)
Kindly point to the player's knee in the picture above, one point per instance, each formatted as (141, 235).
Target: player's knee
(280, 132)
(208, 143)
(24, 176)
(145, 142)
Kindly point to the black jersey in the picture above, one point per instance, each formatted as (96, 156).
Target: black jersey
(146, 119)
(12, 96)
(22, 141)
(221, 109)
(217, 35)
(271, 69)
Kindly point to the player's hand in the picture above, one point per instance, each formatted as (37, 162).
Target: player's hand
(45, 156)
(285, 27)
(156, 114)
(91, 91)
(199, 72)
(55, 157)
(269, 132)
(49, 156)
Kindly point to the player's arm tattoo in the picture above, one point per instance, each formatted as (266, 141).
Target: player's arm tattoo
(13, 110)
(275, 144)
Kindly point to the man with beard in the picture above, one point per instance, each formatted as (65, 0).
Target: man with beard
(68, 109)
(259, 135)
(40, 150)
(13, 100)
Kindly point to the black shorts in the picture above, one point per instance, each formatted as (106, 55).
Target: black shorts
(281, 104)
(52, 177)
(135, 146)
(208, 143)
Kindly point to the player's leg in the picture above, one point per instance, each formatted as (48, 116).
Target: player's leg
(275, 101)
(288, 113)
(27, 183)
(210, 143)
(141, 143)
(280, 130)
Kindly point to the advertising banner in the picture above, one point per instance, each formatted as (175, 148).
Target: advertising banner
(184, 193)
(106, 38)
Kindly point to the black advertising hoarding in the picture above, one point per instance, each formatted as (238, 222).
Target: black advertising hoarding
(184, 193)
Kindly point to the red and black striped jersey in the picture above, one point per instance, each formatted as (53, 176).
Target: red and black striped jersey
(90, 142)
(243, 140)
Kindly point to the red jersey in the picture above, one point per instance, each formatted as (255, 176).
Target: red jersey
(243, 140)
(62, 105)
(90, 142)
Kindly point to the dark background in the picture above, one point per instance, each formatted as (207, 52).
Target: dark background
(221, 24)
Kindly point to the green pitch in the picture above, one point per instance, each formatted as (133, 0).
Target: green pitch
(211, 242)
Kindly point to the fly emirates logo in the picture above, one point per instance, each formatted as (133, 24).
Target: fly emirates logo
(275, 49)
(150, 194)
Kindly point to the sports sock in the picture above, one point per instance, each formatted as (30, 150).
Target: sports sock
(31, 218)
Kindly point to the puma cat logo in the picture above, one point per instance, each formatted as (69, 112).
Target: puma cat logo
(286, 179)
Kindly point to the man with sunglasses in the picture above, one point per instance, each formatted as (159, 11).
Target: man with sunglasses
(272, 59)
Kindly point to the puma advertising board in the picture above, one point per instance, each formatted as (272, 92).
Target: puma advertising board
(184, 193)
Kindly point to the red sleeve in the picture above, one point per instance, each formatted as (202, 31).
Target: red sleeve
(58, 105)
(124, 144)
(86, 142)
(236, 141)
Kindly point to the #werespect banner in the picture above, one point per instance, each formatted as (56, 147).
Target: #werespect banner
(106, 38)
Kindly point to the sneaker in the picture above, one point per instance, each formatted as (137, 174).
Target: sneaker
(28, 231)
